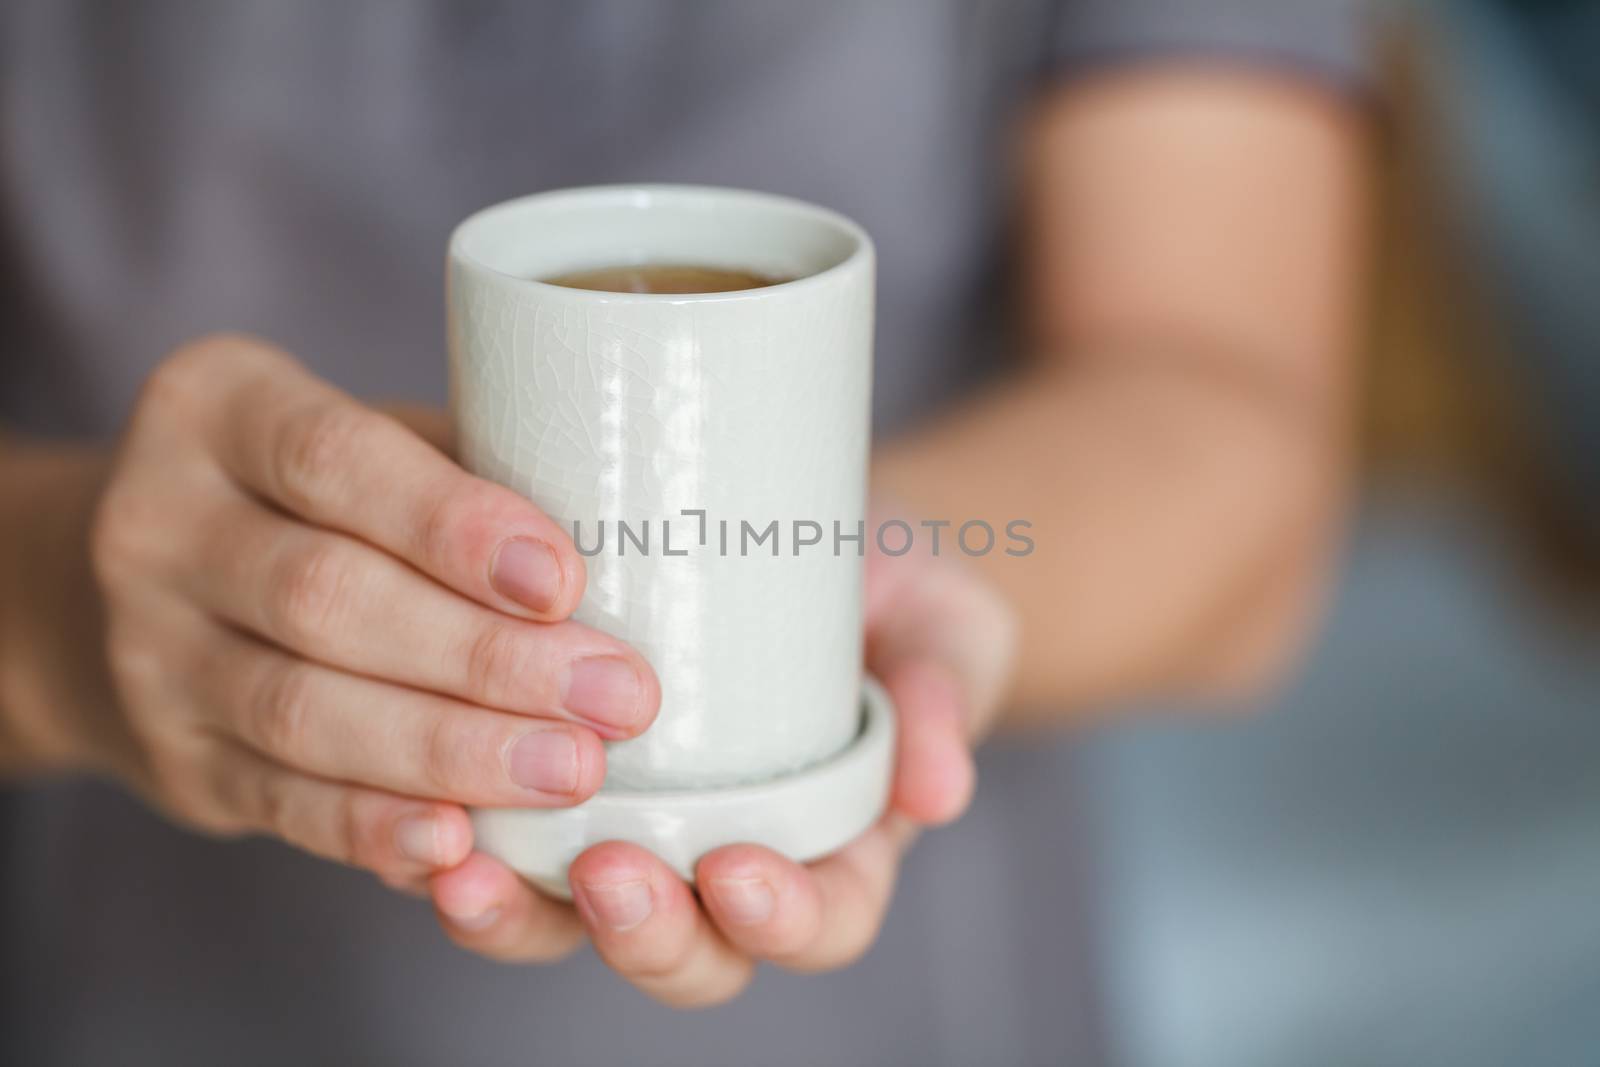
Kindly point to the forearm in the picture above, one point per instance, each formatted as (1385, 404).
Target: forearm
(1192, 243)
(52, 676)
(1181, 520)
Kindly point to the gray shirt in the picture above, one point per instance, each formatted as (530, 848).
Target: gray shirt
(293, 169)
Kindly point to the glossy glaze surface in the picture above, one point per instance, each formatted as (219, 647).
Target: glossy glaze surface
(751, 406)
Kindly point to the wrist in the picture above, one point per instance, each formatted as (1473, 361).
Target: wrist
(54, 687)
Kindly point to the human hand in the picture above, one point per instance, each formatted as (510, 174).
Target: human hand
(942, 643)
(320, 628)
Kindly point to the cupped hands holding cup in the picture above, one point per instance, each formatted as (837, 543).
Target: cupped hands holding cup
(320, 627)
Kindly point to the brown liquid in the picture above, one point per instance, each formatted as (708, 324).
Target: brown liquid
(663, 278)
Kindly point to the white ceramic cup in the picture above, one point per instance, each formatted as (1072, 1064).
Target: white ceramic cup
(675, 414)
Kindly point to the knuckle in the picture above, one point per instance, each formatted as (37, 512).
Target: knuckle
(175, 382)
(859, 935)
(191, 796)
(409, 884)
(499, 660)
(134, 661)
(851, 947)
(535, 941)
(311, 590)
(442, 524)
(462, 755)
(469, 518)
(788, 946)
(653, 969)
(184, 380)
(666, 963)
(281, 722)
(209, 819)
(118, 534)
(855, 945)
(218, 345)
(702, 978)
(553, 943)
(445, 761)
(271, 804)
(314, 446)
(346, 831)
(720, 992)
(163, 750)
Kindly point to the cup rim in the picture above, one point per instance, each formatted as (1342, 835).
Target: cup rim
(639, 195)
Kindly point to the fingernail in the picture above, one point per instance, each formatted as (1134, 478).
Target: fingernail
(546, 760)
(621, 905)
(479, 919)
(417, 838)
(528, 572)
(604, 689)
(744, 900)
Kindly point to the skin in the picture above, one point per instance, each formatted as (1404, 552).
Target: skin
(313, 626)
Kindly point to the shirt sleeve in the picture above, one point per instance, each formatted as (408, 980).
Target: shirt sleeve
(1326, 40)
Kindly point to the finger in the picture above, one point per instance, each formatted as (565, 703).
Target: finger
(486, 908)
(810, 918)
(934, 773)
(337, 600)
(648, 926)
(396, 837)
(346, 727)
(431, 424)
(944, 615)
(413, 885)
(884, 581)
(317, 453)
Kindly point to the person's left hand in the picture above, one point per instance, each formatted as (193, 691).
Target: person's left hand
(942, 642)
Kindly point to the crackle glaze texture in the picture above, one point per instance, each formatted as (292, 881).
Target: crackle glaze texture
(752, 406)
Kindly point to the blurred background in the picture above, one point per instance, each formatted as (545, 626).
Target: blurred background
(1400, 861)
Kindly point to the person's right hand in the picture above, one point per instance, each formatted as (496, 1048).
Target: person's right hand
(319, 627)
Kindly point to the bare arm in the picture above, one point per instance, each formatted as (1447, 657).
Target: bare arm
(1193, 240)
